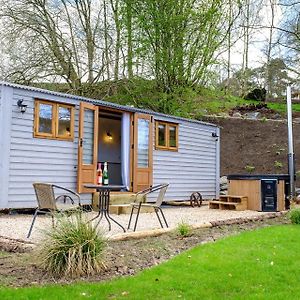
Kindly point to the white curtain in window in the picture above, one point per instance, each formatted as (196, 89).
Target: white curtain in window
(125, 150)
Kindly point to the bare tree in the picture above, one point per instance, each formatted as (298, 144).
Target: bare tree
(81, 42)
(62, 34)
(250, 18)
(268, 83)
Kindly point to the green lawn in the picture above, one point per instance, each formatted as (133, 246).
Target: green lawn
(216, 105)
(260, 264)
(281, 107)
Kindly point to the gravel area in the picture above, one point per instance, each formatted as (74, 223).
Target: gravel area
(17, 226)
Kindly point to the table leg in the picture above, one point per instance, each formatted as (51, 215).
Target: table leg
(107, 211)
(104, 199)
(116, 222)
(100, 213)
(101, 216)
(105, 203)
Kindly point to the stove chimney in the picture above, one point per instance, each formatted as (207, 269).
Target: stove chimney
(291, 159)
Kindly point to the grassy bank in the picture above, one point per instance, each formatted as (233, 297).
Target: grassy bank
(181, 101)
(190, 102)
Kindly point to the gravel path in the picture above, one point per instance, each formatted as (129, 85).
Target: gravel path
(17, 226)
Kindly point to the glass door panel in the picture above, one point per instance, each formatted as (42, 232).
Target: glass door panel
(143, 143)
(88, 137)
(143, 149)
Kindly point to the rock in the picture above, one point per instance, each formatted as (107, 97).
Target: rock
(224, 187)
(253, 115)
(223, 192)
(296, 120)
(223, 115)
(277, 117)
(223, 180)
(237, 115)
(223, 183)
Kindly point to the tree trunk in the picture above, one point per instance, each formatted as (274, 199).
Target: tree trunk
(129, 38)
(106, 46)
(116, 16)
(268, 84)
(229, 46)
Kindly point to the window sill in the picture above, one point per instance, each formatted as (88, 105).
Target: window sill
(166, 149)
(39, 136)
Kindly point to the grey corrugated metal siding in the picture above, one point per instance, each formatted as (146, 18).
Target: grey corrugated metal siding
(35, 159)
(193, 167)
(1, 149)
(5, 137)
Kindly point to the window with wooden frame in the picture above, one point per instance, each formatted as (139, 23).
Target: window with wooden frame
(53, 120)
(166, 136)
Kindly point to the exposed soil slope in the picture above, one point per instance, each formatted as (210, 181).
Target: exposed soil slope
(257, 143)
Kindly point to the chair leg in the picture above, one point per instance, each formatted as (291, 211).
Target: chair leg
(32, 223)
(161, 225)
(137, 215)
(80, 213)
(130, 217)
(163, 216)
(52, 219)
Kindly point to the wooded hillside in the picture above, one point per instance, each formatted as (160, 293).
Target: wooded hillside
(172, 44)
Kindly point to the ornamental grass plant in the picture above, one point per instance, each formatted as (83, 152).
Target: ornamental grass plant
(184, 229)
(295, 216)
(72, 248)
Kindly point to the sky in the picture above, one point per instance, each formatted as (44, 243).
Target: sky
(258, 40)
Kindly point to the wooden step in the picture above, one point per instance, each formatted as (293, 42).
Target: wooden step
(119, 209)
(232, 198)
(118, 198)
(239, 203)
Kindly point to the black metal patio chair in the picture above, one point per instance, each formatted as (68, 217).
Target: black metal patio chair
(161, 189)
(49, 204)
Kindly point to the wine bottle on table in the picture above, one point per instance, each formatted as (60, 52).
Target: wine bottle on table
(105, 174)
(99, 174)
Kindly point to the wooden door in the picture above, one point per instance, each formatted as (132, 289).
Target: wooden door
(87, 146)
(143, 152)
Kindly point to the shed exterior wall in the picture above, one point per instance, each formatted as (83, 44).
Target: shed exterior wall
(25, 159)
(5, 137)
(37, 159)
(1, 146)
(194, 167)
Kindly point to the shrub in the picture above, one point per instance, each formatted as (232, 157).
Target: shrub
(278, 164)
(249, 168)
(184, 229)
(263, 119)
(295, 216)
(73, 247)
